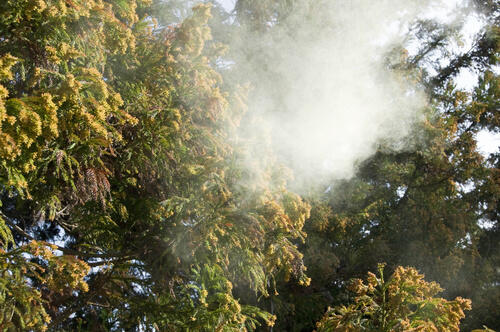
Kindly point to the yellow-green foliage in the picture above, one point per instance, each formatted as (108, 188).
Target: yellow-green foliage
(53, 92)
(117, 130)
(21, 304)
(117, 141)
(404, 302)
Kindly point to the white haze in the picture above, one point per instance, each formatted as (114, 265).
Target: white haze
(323, 90)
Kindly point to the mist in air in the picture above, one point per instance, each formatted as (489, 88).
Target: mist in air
(323, 92)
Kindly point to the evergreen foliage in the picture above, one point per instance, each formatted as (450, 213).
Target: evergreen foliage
(125, 204)
(116, 141)
(405, 302)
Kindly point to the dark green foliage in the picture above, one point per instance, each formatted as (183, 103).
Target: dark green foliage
(434, 207)
(125, 203)
(124, 151)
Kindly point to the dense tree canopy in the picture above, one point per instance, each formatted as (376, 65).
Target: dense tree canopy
(126, 203)
(433, 207)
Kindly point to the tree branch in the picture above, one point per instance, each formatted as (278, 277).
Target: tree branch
(66, 251)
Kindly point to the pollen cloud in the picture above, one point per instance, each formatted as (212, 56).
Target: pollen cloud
(323, 88)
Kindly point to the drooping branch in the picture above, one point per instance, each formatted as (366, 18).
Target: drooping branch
(66, 251)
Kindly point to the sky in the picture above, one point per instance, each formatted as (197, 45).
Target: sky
(227, 4)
